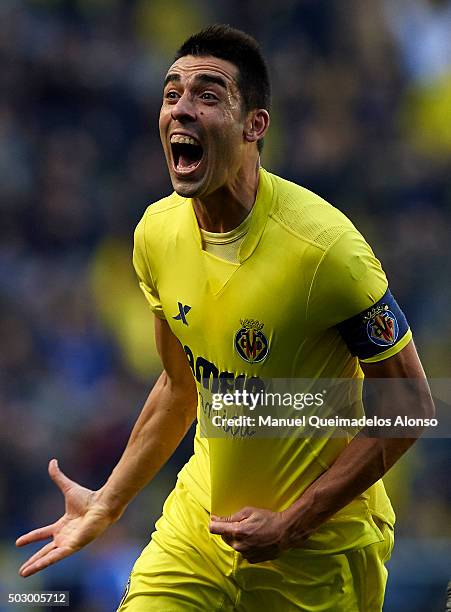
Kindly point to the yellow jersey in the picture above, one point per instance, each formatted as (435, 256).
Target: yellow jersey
(302, 270)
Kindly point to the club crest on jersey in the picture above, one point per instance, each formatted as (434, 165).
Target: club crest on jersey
(251, 344)
(382, 327)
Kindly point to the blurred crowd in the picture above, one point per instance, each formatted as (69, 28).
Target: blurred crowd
(361, 115)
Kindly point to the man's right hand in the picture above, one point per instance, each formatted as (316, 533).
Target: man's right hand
(84, 519)
(166, 416)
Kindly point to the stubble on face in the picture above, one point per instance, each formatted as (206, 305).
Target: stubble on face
(202, 103)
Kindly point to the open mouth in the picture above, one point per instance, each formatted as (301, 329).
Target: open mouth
(187, 153)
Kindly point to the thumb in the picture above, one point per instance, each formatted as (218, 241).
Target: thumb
(58, 477)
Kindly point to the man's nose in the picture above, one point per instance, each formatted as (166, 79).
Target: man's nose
(184, 109)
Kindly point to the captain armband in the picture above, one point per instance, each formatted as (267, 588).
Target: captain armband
(378, 332)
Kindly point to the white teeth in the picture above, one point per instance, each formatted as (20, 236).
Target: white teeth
(179, 139)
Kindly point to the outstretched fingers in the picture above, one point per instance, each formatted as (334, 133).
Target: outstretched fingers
(36, 535)
(38, 555)
(47, 556)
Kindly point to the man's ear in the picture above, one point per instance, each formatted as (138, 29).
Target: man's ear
(256, 125)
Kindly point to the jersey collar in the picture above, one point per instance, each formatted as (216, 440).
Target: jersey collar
(260, 213)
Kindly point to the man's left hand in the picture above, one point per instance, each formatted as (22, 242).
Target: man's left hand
(258, 534)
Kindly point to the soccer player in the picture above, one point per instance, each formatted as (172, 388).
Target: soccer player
(250, 277)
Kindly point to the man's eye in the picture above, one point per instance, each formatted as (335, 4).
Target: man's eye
(172, 95)
(208, 96)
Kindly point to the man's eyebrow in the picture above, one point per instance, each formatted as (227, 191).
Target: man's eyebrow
(205, 79)
(171, 77)
(208, 79)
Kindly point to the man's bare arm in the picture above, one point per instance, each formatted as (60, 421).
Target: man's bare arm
(366, 459)
(260, 534)
(165, 418)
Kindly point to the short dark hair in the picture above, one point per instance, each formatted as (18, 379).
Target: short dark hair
(242, 50)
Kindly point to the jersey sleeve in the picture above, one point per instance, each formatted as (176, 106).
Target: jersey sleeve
(141, 263)
(350, 292)
(378, 332)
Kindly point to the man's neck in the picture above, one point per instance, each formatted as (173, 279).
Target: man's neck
(227, 207)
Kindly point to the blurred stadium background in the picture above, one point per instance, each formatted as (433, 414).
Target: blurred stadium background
(361, 114)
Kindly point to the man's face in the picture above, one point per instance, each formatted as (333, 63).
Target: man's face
(201, 124)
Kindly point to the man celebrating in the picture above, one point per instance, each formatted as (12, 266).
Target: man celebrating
(250, 277)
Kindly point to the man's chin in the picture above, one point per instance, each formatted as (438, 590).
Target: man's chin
(186, 189)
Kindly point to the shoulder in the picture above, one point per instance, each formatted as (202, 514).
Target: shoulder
(160, 216)
(161, 210)
(307, 215)
(157, 225)
(166, 204)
